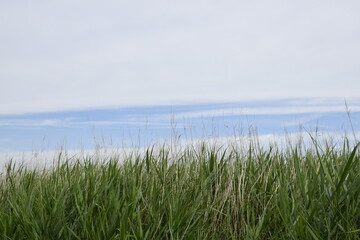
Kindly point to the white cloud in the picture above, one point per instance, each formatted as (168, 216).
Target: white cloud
(63, 55)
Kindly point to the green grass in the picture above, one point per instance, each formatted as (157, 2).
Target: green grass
(203, 192)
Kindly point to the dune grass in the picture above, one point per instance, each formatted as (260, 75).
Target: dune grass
(202, 192)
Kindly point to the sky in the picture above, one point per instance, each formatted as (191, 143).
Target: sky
(85, 58)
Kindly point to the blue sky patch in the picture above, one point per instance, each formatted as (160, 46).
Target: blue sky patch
(145, 125)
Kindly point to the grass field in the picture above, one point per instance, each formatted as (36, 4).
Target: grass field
(205, 191)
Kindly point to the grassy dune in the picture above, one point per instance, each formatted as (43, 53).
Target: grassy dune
(203, 192)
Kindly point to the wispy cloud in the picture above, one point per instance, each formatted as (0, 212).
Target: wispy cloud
(162, 117)
(266, 111)
(30, 122)
(75, 123)
(303, 120)
(5, 140)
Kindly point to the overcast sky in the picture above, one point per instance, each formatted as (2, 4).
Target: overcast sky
(64, 55)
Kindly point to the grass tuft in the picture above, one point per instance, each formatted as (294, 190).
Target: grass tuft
(204, 192)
